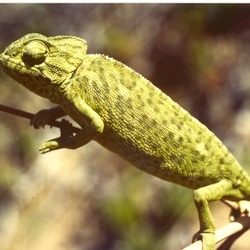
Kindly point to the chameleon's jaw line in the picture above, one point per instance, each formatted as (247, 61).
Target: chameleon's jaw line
(127, 114)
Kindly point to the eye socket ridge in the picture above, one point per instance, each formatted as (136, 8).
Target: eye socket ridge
(34, 53)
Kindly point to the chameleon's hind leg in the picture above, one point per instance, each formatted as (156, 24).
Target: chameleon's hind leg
(202, 196)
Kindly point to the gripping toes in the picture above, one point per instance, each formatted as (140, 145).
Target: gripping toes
(48, 146)
(40, 119)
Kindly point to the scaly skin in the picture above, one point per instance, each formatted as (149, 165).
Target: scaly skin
(127, 114)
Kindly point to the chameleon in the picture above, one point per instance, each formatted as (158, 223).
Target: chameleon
(124, 112)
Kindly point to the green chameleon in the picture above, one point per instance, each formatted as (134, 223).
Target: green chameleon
(127, 114)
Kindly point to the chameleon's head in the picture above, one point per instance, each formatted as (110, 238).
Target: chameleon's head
(42, 64)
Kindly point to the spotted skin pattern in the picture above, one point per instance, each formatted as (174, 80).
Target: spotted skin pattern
(127, 114)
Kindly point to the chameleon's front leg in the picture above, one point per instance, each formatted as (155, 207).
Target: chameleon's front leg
(90, 122)
(201, 198)
(45, 116)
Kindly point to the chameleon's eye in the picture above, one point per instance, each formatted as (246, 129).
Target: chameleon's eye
(34, 53)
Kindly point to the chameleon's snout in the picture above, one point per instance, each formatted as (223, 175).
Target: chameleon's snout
(3, 59)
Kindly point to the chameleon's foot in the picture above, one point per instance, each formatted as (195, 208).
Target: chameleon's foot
(64, 141)
(208, 240)
(238, 209)
(41, 118)
(66, 129)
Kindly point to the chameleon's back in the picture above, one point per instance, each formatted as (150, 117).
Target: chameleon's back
(146, 127)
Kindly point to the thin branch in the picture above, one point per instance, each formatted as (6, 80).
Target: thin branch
(240, 224)
(28, 115)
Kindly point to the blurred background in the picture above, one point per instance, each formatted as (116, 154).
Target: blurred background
(89, 198)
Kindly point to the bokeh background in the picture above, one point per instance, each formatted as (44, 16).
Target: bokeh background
(89, 198)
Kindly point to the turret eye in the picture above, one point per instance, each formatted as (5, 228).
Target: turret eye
(34, 53)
